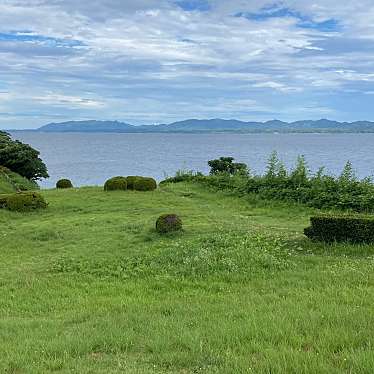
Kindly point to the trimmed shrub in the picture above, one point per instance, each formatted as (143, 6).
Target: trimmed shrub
(3, 201)
(145, 184)
(116, 183)
(343, 228)
(25, 202)
(131, 181)
(168, 223)
(64, 183)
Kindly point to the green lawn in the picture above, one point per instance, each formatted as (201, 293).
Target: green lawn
(88, 286)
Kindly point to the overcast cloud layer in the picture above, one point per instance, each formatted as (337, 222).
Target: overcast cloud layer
(158, 61)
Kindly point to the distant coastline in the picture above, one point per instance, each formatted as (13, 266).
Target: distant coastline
(197, 126)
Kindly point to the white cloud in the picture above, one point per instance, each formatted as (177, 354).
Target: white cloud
(153, 56)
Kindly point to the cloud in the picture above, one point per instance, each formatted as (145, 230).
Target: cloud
(154, 61)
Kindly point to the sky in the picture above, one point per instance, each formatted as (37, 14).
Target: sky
(159, 61)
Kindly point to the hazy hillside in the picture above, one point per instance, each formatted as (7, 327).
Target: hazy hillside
(212, 125)
(86, 126)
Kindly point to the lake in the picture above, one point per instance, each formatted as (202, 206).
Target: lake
(89, 159)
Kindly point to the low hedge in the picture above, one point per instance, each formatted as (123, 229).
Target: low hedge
(25, 202)
(64, 183)
(115, 183)
(131, 181)
(168, 223)
(145, 184)
(341, 228)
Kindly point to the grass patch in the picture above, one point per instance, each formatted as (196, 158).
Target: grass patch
(89, 286)
(11, 182)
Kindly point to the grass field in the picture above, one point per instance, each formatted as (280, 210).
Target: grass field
(88, 286)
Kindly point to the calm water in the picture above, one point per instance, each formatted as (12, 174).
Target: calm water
(89, 159)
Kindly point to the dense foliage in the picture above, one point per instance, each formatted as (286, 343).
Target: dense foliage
(145, 184)
(21, 158)
(64, 183)
(25, 202)
(330, 228)
(226, 165)
(168, 223)
(182, 176)
(318, 190)
(131, 181)
(115, 183)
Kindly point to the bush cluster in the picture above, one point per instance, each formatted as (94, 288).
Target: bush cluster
(131, 182)
(115, 183)
(145, 184)
(64, 183)
(226, 165)
(168, 223)
(341, 228)
(182, 176)
(25, 202)
(319, 190)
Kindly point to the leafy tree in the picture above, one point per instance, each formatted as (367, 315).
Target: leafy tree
(348, 175)
(320, 174)
(282, 171)
(299, 176)
(226, 165)
(275, 167)
(272, 166)
(21, 158)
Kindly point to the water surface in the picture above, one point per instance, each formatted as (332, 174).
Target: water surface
(89, 159)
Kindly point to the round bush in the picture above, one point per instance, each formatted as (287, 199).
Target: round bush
(168, 223)
(145, 184)
(115, 183)
(131, 181)
(25, 202)
(64, 183)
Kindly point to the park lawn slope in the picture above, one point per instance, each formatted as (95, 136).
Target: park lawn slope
(88, 286)
(11, 182)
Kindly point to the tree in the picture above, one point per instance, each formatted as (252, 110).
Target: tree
(21, 158)
(226, 165)
(299, 176)
(275, 168)
(348, 174)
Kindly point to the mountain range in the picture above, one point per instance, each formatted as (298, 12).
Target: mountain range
(213, 125)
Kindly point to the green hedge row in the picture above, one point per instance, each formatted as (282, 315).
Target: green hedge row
(136, 183)
(342, 228)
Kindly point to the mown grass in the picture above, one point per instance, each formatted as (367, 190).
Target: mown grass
(88, 286)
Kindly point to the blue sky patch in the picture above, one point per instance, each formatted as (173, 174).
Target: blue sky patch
(17, 36)
(303, 21)
(191, 5)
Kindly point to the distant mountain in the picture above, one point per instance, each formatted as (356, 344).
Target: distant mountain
(87, 126)
(213, 125)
